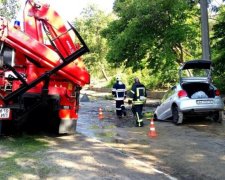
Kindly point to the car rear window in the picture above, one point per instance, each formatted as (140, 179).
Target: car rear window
(194, 73)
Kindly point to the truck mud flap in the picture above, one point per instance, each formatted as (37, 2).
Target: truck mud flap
(67, 126)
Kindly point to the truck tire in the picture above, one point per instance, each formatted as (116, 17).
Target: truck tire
(59, 126)
(7, 128)
(53, 123)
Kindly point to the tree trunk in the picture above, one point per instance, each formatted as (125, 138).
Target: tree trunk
(103, 71)
(181, 53)
(178, 49)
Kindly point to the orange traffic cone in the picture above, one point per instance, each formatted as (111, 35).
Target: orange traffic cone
(152, 131)
(100, 114)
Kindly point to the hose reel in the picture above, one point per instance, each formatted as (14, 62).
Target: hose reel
(7, 56)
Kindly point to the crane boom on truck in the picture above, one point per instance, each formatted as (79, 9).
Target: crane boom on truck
(40, 82)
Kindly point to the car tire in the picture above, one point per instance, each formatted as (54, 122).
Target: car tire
(177, 116)
(0, 128)
(218, 116)
(155, 118)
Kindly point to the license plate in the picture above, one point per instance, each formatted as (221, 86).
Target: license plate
(204, 101)
(4, 113)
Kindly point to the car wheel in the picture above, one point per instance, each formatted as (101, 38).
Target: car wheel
(155, 118)
(177, 116)
(218, 116)
(0, 128)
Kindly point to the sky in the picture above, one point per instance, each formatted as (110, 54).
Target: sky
(69, 9)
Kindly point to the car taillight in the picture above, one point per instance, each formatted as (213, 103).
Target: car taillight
(217, 92)
(182, 93)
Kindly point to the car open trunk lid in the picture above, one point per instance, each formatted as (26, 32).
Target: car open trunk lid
(195, 71)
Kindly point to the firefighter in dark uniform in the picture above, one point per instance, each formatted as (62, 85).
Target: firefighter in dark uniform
(119, 92)
(139, 96)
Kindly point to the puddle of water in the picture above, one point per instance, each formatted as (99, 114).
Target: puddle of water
(111, 128)
(107, 136)
(94, 126)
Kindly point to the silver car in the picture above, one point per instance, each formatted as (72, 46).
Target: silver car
(194, 95)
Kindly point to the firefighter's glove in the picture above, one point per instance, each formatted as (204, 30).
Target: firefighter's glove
(129, 101)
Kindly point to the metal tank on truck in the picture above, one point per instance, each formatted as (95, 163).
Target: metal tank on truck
(40, 82)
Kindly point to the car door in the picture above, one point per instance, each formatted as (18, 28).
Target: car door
(168, 103)
(163, 109)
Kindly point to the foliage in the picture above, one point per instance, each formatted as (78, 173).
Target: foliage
(90, 24)
(218, 50)
(149, 79)
(148, 39)
(154, 35)
(9, 8)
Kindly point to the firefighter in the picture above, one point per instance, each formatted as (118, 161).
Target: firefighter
(119, 92)
(138, 95)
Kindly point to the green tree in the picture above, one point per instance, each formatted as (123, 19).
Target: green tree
(90, 25)
(156, 34)
(218, 48)
(9, 8)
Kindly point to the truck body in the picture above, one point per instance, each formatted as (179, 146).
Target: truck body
(41, 72)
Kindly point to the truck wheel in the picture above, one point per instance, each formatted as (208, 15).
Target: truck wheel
(53, 123)
(7, 128)
(177, 116)
(58, 126)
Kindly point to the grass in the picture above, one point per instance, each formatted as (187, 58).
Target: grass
(109, 97)
(148, 114)
(22, 155)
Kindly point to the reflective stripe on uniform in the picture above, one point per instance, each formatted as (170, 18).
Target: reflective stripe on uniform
(119, 98)
(118, 108)
(138, 91)
(138, 102)
(117, 94)
(132, 92)
(120, 90)
(138, 118)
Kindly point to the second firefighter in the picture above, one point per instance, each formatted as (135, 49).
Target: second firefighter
(138, 95)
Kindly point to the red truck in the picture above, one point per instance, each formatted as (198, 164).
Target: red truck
(41, 72)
